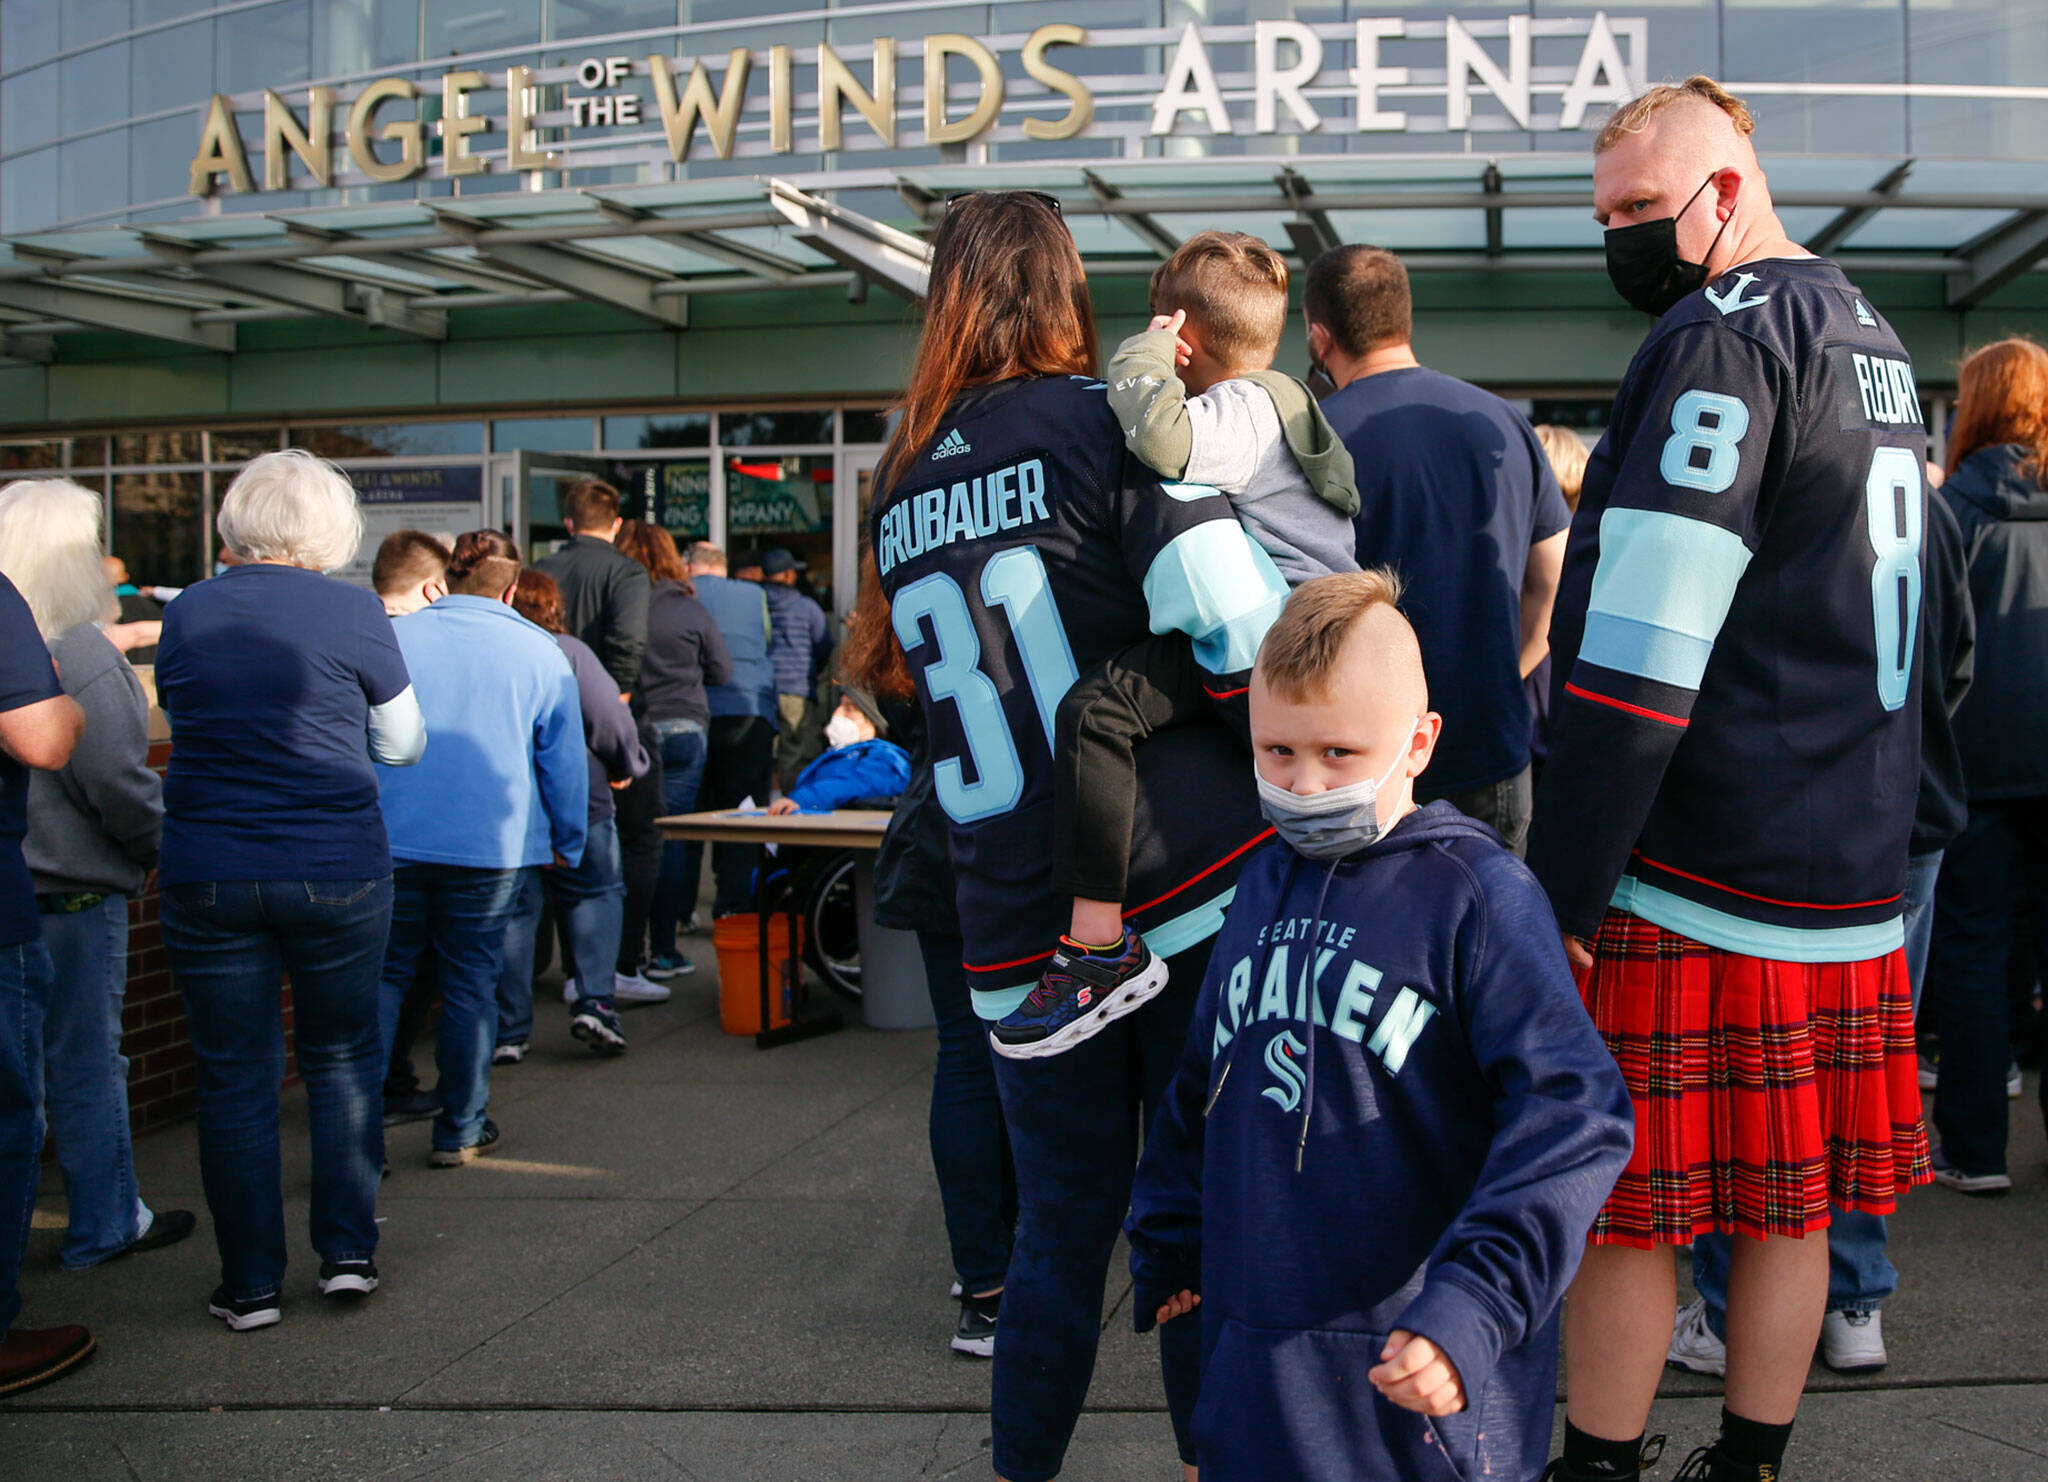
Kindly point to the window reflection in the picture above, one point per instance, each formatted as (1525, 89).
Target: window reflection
(767, 429)
(391, 440)
(781, 502)
(156, 526)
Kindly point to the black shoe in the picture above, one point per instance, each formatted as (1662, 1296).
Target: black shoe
(167, 1228)
(1082, 992)
(597, 1025)
(1711, 1464)
(487, 1141)
(256, 1312)
(975, 1334)
(1651, 1454)
(410, 1106)
(348, 1278)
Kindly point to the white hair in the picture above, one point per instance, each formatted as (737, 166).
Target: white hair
(292, 507)
(50, 550)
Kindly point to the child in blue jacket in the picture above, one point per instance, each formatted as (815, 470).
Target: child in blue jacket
(1393, 1123)
(858, 764)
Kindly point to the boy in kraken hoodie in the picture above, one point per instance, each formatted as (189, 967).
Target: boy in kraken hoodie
(1394, 1123)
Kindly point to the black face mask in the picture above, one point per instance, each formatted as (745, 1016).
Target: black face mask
(1644, 265)
(1320, 384)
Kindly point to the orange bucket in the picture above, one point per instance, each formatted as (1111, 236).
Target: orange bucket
(738, 942)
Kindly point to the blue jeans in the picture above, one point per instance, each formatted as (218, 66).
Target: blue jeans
(590, 903)
(970, 1148)
(1076, 1122)
(1860, 1273)
(675, 892)
(25, 981)
(1981, 885)
(231, 942)
(459, 914)
(85, 1081)
(515, 973)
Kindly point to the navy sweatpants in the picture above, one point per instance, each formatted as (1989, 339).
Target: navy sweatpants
(1077, 1122)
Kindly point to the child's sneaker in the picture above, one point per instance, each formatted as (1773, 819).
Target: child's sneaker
(597, 1025)
(1081, 992)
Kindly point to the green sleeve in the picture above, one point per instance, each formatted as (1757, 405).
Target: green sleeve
(1150, 403)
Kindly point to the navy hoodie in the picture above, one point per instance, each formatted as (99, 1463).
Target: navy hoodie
(1427, 1156)
(2002, 505)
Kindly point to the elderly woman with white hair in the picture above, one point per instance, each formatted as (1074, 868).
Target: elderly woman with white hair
(91, 842)
(282, 686)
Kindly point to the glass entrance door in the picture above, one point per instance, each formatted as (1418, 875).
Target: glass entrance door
(540, 480)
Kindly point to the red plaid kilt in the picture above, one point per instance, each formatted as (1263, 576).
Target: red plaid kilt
(1763, 1090)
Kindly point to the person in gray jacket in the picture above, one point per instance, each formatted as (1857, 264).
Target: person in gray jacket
(92, 839)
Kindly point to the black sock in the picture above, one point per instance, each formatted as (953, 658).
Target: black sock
(1590, 1456)
(1751, 1443)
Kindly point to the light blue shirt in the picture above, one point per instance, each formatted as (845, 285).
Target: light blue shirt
(503, 780)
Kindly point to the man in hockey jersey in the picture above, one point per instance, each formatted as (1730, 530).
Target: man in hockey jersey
(1393, 1120)
(1723, 821)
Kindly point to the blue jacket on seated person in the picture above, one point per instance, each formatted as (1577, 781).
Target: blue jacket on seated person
(847, 774)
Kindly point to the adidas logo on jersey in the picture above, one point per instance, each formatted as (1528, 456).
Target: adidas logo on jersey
(952, 445)
(1863, 315)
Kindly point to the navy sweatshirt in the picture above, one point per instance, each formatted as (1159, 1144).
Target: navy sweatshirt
(2001, 503)
(1458, 1124)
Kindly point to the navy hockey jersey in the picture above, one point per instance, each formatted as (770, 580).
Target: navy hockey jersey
(1737, 752)
(1021, 549)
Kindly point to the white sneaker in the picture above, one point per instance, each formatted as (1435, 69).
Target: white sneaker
(2013, 1084)
(1693, 1344)
(1981, 1184)
(632, 988)
(1853, 1342)
(569, 993)
(1928, 1073)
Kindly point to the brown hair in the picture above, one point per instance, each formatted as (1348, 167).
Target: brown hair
(654, 548)
(1566, 451)
(1360, 295)
(1008, 297)
(1234, 289)
(483, 564)
(1635, 115)
(2002, 397)
(869, 654)
(1302, 646)
(407, 559)
(590, 504)
(539, 601)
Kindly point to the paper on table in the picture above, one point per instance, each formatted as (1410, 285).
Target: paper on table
(746, 805)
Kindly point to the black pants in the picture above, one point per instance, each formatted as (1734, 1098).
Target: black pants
(400, 1079)
(636, 807)
(739, 761)
(1503, 806)
(1149, 686)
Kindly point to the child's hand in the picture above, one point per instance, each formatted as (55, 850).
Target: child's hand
(1179, 1306)
(1416, 1375)
(1182, 351)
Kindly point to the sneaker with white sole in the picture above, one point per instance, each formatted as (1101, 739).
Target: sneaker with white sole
(486, 1142)
(1693, 1344)
(1083, 991)
(634, 989)
(975, 1333)
(597, 1025)
(570, 992)
(1983, 1185)
(509, 1053)
(348, 1278)
(665, 965)
(2014, 1085)
(1853, 1342)
(241, 1316)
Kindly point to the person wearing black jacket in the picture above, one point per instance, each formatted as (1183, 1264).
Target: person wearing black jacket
(1997, 487)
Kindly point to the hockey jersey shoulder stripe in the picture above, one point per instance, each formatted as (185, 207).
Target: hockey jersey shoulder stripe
(1648, 714)
(1660, 593)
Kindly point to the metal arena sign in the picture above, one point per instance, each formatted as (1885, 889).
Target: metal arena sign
(1383, 74)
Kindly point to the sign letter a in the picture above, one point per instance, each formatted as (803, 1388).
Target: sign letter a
(1190, 85)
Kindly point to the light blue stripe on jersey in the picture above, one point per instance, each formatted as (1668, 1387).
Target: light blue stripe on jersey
(1660, 594)
(1168, 939)
(1758, 938)
(1213, 584)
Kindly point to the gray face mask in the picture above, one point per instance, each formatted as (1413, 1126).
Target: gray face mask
(1330, 824)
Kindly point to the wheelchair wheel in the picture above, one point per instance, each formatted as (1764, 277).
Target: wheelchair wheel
(832, 926)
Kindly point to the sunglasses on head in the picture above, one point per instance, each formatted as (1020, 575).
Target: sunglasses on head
(1037, 195)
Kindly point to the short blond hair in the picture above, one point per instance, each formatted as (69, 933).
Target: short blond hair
(1566, 451)
(1234, 289)
(1635, 115)
(1301, 648)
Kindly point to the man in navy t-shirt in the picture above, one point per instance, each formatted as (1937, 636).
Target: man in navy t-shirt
(1456, 496)
(39, 724)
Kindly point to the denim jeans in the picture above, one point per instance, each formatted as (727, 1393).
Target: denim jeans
(590, 899)
(682, 771)
(457, 914)
(970, 1148)
(1503, 806)
(1981, 884)
(515, 972)
(85, 1081)
(1860, 1273)
(1075, 1123)
(231, 942)
(25, 981)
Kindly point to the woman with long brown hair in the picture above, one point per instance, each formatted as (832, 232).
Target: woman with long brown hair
(1997, 487)
(1012, 545)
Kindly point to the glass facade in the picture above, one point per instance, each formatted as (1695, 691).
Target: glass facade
(101, 100)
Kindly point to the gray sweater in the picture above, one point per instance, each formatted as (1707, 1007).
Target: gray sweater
(95, 824)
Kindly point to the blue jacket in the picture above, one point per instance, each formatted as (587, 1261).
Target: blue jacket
(1426, 1155)
(740, 609)
(2002, 507)
(801, 641)
(846, 774)
(503, 782)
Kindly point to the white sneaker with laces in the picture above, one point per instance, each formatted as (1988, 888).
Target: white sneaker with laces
(632, 988)
(1693, 1344)
(1853, 1342)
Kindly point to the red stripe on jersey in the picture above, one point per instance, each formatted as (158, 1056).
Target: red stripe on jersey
(1225, 694)
(1670, 720)
(1890, 900)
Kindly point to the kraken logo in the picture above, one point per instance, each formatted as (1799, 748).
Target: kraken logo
(1283, 1058)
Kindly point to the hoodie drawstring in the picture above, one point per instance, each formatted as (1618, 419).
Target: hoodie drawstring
(1315, 942)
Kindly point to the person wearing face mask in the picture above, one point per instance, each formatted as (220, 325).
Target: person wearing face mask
(1393, 1120)
(858, 763)
(1724, 819)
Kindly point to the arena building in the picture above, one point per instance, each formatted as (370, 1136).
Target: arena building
(474, 248)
